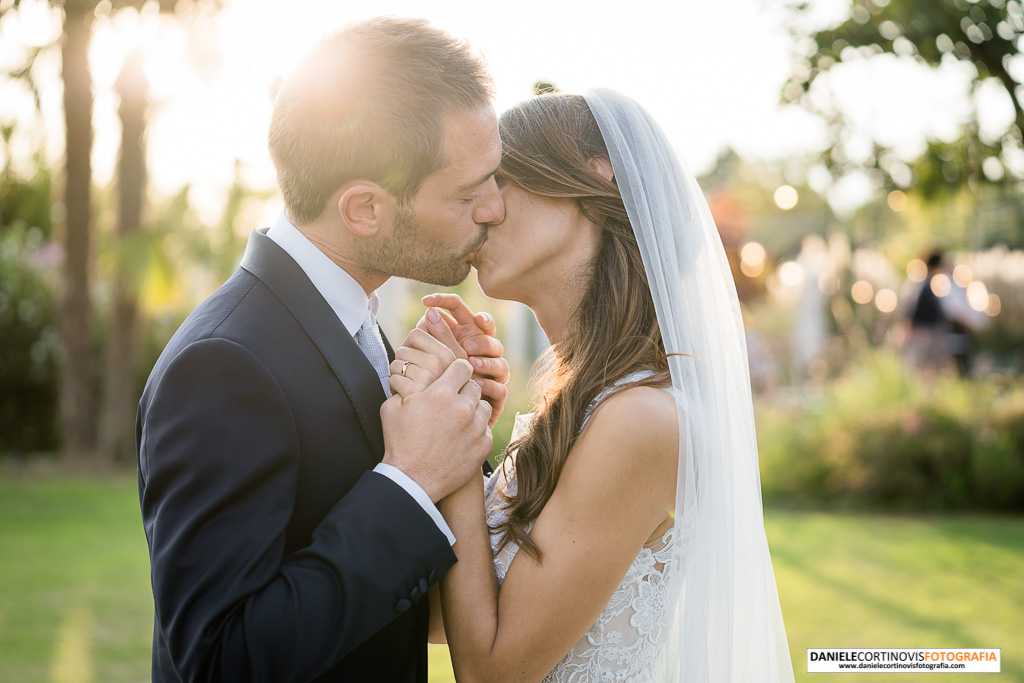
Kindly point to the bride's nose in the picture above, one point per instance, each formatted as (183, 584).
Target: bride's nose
(490, 209)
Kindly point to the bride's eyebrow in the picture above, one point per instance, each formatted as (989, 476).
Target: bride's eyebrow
(477, 183)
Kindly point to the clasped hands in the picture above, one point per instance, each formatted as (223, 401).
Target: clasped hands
(448, 390)
(447, 332)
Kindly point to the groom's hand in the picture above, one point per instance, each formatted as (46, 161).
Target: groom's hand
(471, 336)
(439, 437)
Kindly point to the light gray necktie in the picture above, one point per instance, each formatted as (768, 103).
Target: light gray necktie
(370, 341)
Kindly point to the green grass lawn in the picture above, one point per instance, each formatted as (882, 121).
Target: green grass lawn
(75, 602)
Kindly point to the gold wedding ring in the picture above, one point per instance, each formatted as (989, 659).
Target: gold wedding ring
(405, 367)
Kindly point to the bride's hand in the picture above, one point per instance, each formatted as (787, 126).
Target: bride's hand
(432, 346)
(474, 337)
(422, 359)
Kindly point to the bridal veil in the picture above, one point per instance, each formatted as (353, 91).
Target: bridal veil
(725, 623)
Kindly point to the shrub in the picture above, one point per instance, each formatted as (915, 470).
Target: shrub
(29, 343)
(881, 436)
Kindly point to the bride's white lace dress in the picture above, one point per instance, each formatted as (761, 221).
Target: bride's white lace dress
(623, 644)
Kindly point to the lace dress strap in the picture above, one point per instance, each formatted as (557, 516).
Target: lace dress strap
(608, 391)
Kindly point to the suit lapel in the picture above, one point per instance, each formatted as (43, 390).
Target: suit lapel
(276, 269)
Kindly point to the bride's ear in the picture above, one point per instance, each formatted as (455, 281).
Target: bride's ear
(603, 166)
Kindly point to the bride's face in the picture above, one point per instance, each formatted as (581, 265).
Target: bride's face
(538, 250)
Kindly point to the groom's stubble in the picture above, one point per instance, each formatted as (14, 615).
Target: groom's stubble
(409, 253)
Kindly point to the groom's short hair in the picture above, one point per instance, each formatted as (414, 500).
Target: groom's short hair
(368, 102)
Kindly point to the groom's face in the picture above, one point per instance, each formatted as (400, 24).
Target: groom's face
(435, 235)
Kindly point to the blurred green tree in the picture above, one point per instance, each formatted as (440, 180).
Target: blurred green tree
(981, 33)
(544, 87)
(119, 399)
(28, 317)
(78, 409)
(28, 328)
(30, 200)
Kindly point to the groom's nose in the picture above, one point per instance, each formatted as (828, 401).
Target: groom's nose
(490, 207)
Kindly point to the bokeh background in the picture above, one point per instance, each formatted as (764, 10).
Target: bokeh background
(839, 144)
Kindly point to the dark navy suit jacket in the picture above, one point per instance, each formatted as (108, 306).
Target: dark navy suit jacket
(276, 554)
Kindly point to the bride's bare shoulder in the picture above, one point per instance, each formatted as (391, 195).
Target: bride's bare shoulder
(640, 422)
(651, 405)
(626, 459)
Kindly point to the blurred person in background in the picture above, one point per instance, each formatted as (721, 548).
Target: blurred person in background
(941, 321)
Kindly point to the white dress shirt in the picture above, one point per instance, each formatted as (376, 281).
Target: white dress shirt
(349, 302)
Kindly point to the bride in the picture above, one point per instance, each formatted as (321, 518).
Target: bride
(621, 538)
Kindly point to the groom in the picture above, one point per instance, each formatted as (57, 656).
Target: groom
(292, 535)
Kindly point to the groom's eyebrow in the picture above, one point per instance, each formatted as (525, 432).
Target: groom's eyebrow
(477, 183)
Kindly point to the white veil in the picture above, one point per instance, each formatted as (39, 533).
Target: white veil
(725, 622)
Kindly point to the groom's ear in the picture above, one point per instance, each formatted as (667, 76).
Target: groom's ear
(603, 166)
(364, 206)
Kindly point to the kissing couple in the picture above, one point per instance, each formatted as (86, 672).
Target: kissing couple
(313, 498)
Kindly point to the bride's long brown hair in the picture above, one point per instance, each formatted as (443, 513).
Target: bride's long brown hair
(547, 144)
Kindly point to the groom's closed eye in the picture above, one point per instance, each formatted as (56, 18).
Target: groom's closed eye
(475, 186)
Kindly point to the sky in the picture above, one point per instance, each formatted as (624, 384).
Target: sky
(711, 73)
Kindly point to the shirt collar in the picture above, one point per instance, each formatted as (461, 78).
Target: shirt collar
(345, 296)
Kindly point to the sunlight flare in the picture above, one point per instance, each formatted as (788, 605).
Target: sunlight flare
(72, 657)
